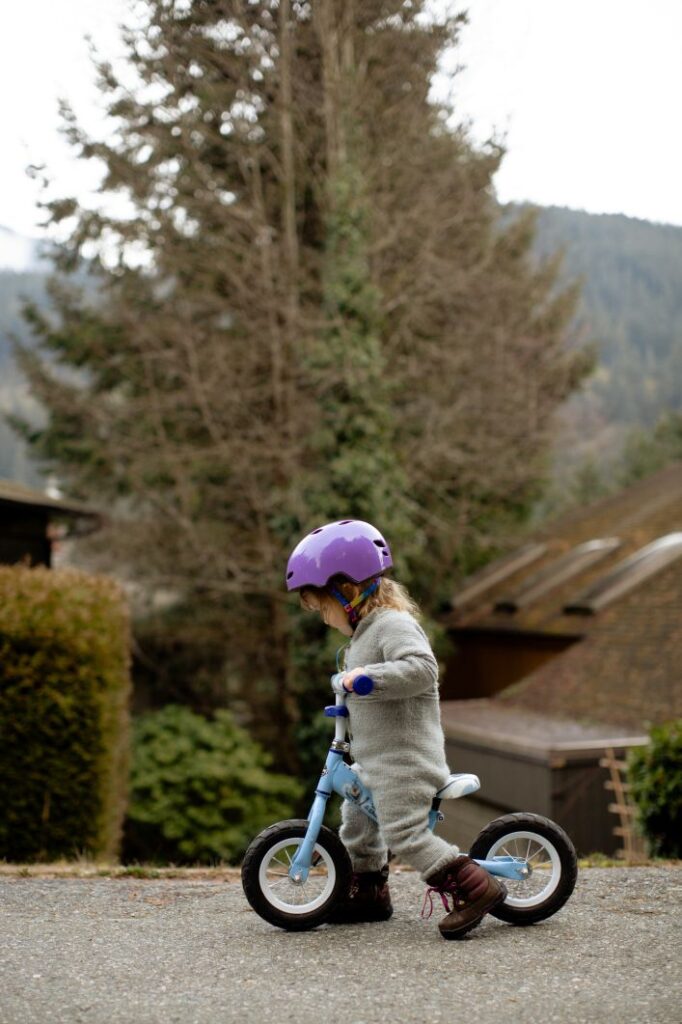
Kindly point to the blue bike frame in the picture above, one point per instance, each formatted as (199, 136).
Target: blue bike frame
(338, 777)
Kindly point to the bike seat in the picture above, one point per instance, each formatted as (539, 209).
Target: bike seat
(458, 785)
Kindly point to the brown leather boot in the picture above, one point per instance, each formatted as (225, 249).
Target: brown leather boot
(368, 899)
(473, 892)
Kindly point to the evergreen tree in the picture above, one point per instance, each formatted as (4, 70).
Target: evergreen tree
(646, 452)
(312, 310)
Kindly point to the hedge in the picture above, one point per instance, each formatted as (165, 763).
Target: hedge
(64, 691)
(200, 790)
(655, 775)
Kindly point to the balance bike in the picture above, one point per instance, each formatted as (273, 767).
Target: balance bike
(294, 872)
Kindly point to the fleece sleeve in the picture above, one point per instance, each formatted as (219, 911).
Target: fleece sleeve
(409, 666)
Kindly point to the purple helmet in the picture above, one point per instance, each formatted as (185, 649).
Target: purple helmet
(350, 548)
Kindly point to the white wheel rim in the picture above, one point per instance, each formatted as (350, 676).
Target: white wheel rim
(542, 857)
(288, 896)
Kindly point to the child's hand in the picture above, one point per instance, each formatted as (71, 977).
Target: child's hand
(350, 676)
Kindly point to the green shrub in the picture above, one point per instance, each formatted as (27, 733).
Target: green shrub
(64, 689)
(655, 774)
(200, 789)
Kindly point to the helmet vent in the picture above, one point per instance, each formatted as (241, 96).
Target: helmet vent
(290, 574)
(319, 529)
(380, 543)
(344, 522)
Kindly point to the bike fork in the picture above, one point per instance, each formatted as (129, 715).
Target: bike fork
(301, 864)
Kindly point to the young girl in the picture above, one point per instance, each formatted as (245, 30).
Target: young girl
(396, 737)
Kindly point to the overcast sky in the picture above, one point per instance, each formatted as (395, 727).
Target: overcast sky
(587, 93)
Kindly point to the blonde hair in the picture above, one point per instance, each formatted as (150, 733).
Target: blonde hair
(390, 594)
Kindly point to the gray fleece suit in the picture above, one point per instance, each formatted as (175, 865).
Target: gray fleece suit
(397, 745)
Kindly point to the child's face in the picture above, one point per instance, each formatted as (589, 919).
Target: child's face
(334, 615)
(331, 612)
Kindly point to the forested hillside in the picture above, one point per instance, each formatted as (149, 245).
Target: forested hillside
(15, 398)
(631, 309)
(13, 286)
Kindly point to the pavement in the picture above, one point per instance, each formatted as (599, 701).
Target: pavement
(132, 951)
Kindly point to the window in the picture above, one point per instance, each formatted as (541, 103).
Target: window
(627, 574)
(557, 572)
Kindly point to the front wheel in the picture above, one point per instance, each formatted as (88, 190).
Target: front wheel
(272, 893)
(549, 853)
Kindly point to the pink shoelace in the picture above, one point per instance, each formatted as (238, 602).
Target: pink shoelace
(449, 888)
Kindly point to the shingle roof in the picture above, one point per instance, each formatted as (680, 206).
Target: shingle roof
(627, 671)
(493, 723)
(637, 516)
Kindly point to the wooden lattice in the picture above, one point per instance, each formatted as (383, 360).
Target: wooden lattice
(633, 850)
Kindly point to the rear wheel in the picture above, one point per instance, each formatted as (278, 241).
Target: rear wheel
(273, 894)
(550, 855)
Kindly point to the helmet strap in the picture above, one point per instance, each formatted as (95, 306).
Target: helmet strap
(351, 607)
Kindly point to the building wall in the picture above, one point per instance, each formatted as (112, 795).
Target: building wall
(568, 791)
(580, 806)
(486, 662)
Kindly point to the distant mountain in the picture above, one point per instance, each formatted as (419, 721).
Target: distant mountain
(631, 308)
(23, 273)
(631, 304)
(15, 287)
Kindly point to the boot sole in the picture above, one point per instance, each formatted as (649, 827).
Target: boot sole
(459, 933)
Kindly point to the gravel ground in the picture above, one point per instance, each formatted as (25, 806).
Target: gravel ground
(125, 951)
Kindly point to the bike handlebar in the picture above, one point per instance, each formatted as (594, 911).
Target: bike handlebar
(362, 685)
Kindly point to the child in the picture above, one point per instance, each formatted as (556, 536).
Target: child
(395, 732)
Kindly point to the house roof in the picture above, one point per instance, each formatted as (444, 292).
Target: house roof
(625, 672)
(493, 724)
(12, 493)
(530, 590)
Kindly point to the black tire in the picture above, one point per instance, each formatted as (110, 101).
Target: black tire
(544, 829)
(331, 850)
